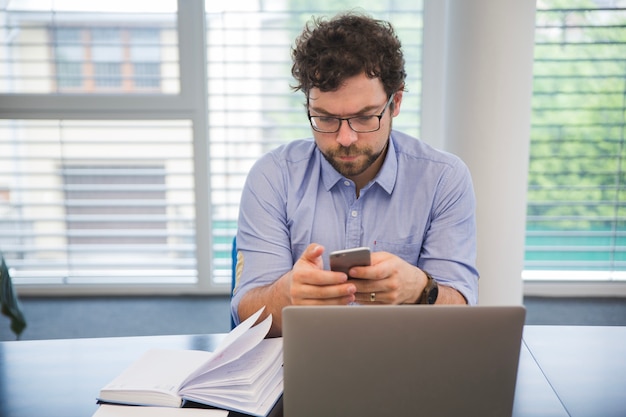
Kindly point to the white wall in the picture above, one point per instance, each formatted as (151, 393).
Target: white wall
(477, 89)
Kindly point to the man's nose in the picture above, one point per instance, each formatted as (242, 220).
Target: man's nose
(345, 135)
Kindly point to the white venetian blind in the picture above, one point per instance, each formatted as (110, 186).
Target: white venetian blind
(87, 197)
(97, 201)
(87, 47)
(123, 151)
(251, 106)
(576, 224)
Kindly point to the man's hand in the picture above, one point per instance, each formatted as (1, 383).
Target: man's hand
(312, 285)
(306, 284)
(390, 278)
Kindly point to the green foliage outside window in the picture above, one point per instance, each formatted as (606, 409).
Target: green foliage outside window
(576, 196)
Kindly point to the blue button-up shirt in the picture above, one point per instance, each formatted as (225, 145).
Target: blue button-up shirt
(420, 207)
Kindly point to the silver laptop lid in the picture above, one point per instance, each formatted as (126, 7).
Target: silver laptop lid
(401, 360)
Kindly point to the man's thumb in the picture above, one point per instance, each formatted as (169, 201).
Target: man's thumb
(313, 252)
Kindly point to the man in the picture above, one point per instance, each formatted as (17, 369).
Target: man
(357, 183)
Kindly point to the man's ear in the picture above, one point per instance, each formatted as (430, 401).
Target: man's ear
(397, 101)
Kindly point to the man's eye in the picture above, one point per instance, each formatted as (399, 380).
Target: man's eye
(323, 119)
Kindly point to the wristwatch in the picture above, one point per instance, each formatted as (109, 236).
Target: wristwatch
(431, 291)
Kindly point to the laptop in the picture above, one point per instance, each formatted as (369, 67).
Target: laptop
(417, 360)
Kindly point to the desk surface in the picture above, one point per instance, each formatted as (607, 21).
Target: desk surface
(564, 371)
(63, 377)
(585, 366)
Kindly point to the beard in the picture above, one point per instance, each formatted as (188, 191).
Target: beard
(353, 168)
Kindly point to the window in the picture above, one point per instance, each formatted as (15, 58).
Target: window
(129, 136)
(83, 48)
(107, 59)
(97, 202)
(145, 57)
(102, 199)
(127, 128)
(68, 57)
(251, 106)
(106, 53)
(576, 220)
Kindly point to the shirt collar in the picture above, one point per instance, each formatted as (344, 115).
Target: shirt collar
(386, 177)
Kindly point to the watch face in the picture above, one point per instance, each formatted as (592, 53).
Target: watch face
(432, 295)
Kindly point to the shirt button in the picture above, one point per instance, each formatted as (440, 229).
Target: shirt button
(354, 213)
(346, 183)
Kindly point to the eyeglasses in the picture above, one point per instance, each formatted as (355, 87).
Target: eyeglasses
(360, 124)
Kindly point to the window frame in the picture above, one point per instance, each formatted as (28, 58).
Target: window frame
(433, 127)
(189, 104)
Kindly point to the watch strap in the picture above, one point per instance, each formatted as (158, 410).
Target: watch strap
(431, 290)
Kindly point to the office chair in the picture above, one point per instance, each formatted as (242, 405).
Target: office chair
(9, 302)
(233, 277)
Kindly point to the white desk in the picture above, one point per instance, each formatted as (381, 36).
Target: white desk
(564, 371)
(576, 371)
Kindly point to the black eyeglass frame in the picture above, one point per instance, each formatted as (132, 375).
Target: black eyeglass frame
(348, 119)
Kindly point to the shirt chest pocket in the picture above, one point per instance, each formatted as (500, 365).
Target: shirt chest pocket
(410, 252)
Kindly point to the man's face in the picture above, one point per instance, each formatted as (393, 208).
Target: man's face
(357, 156)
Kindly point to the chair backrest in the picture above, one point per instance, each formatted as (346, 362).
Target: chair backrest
(233, 278)
(9, 302)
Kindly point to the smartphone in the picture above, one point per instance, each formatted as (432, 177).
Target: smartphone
(343, 260)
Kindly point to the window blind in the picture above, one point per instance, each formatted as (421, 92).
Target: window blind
(76, 191)
(251, 106)
(104, 188)
(87, 198)
(93, 202)
(576, 219)
(85, 48)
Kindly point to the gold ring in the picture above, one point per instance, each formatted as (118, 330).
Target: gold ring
(372, 297)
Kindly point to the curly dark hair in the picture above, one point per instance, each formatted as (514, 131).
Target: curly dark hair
(330, 51)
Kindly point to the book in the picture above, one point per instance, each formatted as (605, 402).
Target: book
(244, 374)
(115, 410)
